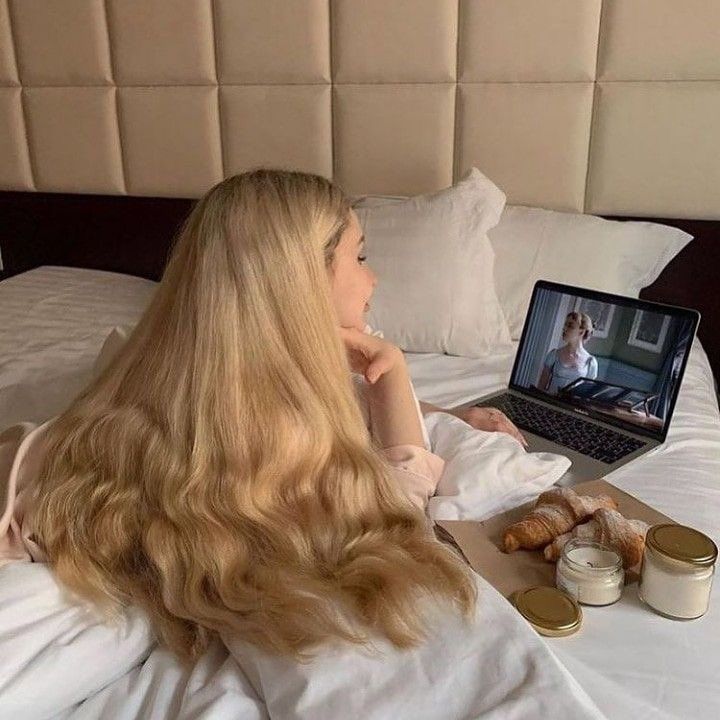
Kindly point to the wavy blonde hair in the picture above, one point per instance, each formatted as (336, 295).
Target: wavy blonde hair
(218, 473)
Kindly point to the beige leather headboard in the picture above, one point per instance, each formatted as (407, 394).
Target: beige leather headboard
(603, 106)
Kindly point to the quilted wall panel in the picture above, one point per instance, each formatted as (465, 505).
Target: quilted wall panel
(604, 106)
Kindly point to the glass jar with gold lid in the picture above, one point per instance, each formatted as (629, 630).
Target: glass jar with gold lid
(550, 611)
(677, 571)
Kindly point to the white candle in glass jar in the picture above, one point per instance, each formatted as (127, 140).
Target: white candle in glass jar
(677, 571)
(590, 572)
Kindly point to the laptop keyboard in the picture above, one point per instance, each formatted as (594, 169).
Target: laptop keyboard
(587, 438)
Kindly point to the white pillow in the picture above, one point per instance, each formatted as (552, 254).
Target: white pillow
(618, 257)
(485, 472)
(434, 262)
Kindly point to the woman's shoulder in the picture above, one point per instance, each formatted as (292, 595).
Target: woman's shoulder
(14, 443)
(18, 443)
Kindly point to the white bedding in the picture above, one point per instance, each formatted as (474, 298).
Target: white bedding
(59, 661)
(54, 321)
(631, 662)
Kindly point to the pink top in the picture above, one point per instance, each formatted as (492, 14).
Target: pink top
(20, 457)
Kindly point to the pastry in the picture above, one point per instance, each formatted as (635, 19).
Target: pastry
(555, 512)
(609, 527)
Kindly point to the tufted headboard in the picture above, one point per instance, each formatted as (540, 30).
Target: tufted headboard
(609, 107)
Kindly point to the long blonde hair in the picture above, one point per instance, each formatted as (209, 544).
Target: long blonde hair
(218, 473)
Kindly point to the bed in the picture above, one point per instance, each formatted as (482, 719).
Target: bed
(110, 127)
(631, 662)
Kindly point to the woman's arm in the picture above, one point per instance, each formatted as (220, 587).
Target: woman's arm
(544, 382)
(481, 418)
(391, 403)
(393, 414)
(592, 368)
(546, 373)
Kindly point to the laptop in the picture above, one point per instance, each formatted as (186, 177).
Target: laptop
(604, 401)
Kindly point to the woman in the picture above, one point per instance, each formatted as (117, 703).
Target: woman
(572, 361)
(219, 472)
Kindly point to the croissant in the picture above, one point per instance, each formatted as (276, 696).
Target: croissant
(556, 511)
(609, 527)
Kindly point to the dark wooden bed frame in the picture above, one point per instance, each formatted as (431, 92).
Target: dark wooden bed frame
(133, 235)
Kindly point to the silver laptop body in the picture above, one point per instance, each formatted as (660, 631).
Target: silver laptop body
(600, 423)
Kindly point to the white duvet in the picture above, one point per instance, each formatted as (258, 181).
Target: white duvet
(57, 660)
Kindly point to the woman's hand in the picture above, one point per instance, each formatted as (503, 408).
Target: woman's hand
(368, 355)
(490, 419)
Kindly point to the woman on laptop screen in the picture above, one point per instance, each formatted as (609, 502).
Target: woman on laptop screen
(572, 361)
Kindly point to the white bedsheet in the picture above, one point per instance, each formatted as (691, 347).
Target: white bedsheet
(634, 664)
(53, 322)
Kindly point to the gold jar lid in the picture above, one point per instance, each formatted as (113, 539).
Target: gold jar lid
(683, 543)
(549, 610)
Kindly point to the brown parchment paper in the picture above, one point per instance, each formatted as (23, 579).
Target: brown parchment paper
(480, 542)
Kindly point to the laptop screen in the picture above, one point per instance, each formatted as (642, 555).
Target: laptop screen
(618, 359)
